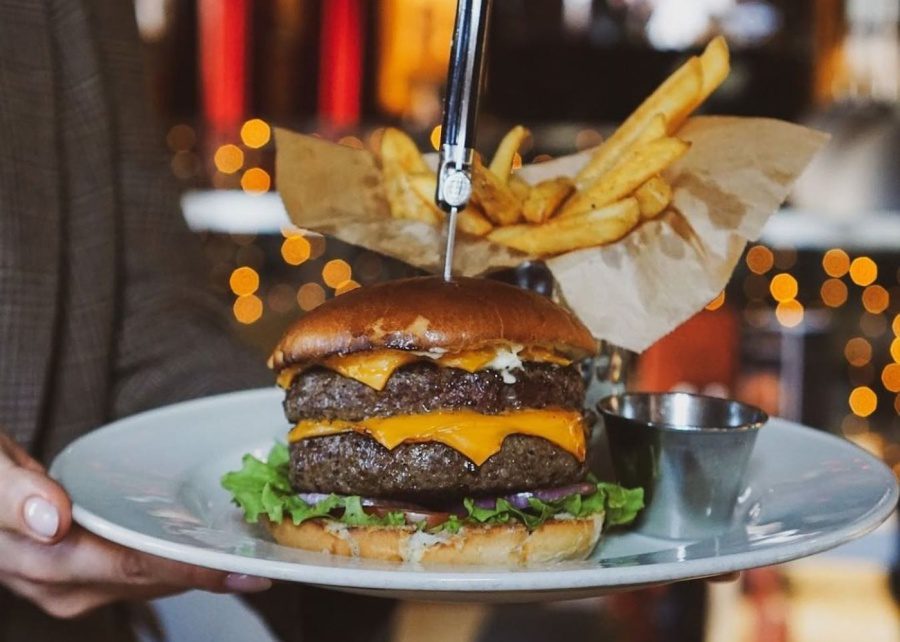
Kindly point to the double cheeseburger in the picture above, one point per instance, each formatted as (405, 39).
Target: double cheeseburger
(434, 422)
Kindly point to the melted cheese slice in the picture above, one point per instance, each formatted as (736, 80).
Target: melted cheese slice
(372, 368)
(375, 367)
(474, 435)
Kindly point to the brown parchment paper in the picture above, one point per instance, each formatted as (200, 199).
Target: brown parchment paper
(633, 292)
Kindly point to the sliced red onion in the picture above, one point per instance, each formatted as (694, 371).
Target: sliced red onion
(315, 498)
(520, 500)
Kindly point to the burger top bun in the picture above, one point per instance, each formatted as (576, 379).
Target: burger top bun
(428, 313)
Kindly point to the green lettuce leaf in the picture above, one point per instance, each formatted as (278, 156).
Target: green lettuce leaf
(263, 488)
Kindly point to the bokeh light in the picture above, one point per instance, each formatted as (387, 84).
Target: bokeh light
(255, 133)
(185, 165)
(248, 309)
(281, 298)
(436, 137)
(228, 158)
(295, 249)
(895, 325)
(760, 259)
(872, 325)
(789, 313)
(863, 401)
(875, 299)
(863, 270)
(835, 262)
(346, 286)
(256, 181)
(858, 351)
(785, 258)
(833, 293)
(243, 281)
(716, 303)
(310, 295)
(181, 138)
(587, 138)
(783, 287)
(895, 349)
(335, 272)
(890, 377)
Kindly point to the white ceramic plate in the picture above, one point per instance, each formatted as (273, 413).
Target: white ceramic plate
(151, 482)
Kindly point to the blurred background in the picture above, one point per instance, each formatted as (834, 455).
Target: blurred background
(809, 327)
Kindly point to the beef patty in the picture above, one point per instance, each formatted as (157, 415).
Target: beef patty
(422, 387)
(352, 463)
(355, 464)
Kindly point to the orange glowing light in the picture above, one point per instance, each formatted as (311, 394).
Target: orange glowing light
(310, 295)
(875, 299)
(833, 293)
(228, 158)
(436, 138)
(835, 262)
(863, 270)
(783, 287)
(895, 325)
(587, 138)
(716, 303)
(895, 349)
(247, 309)
(858, 351)
(760, 259)
(789, 313)
(295, 249)
(335, 272)
(346, 286)
(243, 281)
(863, 401)
(890, 377)
(181, 138)
(255, 133)
(256, 181)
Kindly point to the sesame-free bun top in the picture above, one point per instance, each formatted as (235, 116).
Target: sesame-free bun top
(428, 313)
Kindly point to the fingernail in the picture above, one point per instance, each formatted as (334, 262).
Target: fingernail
(241, 583)
(41, 516)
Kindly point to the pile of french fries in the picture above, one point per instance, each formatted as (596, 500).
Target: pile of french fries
(619, 187)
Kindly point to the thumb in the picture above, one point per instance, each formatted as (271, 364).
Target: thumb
(31, 503)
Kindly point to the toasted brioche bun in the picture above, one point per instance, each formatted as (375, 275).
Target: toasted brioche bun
(506, 545)
(428, 313)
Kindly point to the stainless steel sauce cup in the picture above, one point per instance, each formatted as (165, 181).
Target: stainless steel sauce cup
(688, 452)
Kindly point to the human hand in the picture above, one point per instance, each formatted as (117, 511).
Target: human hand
(67, 571)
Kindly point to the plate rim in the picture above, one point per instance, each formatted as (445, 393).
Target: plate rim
(444, 580)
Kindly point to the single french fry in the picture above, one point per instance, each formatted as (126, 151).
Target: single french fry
(546, 197)
(715, 63)
(613, 149)
(519, 187)
(600, 226)
(397, 148)
(472, 221)
(636, 167)
(494, 197)
(404, 193)
(653, 197)
(674, 99)
(501, 164)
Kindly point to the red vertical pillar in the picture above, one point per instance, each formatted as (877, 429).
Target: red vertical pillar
(340, 70)
(224, 45)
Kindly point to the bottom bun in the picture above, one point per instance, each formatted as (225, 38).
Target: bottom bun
(492, 545)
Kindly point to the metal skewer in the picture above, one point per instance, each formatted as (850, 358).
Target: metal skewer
(457, 154)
